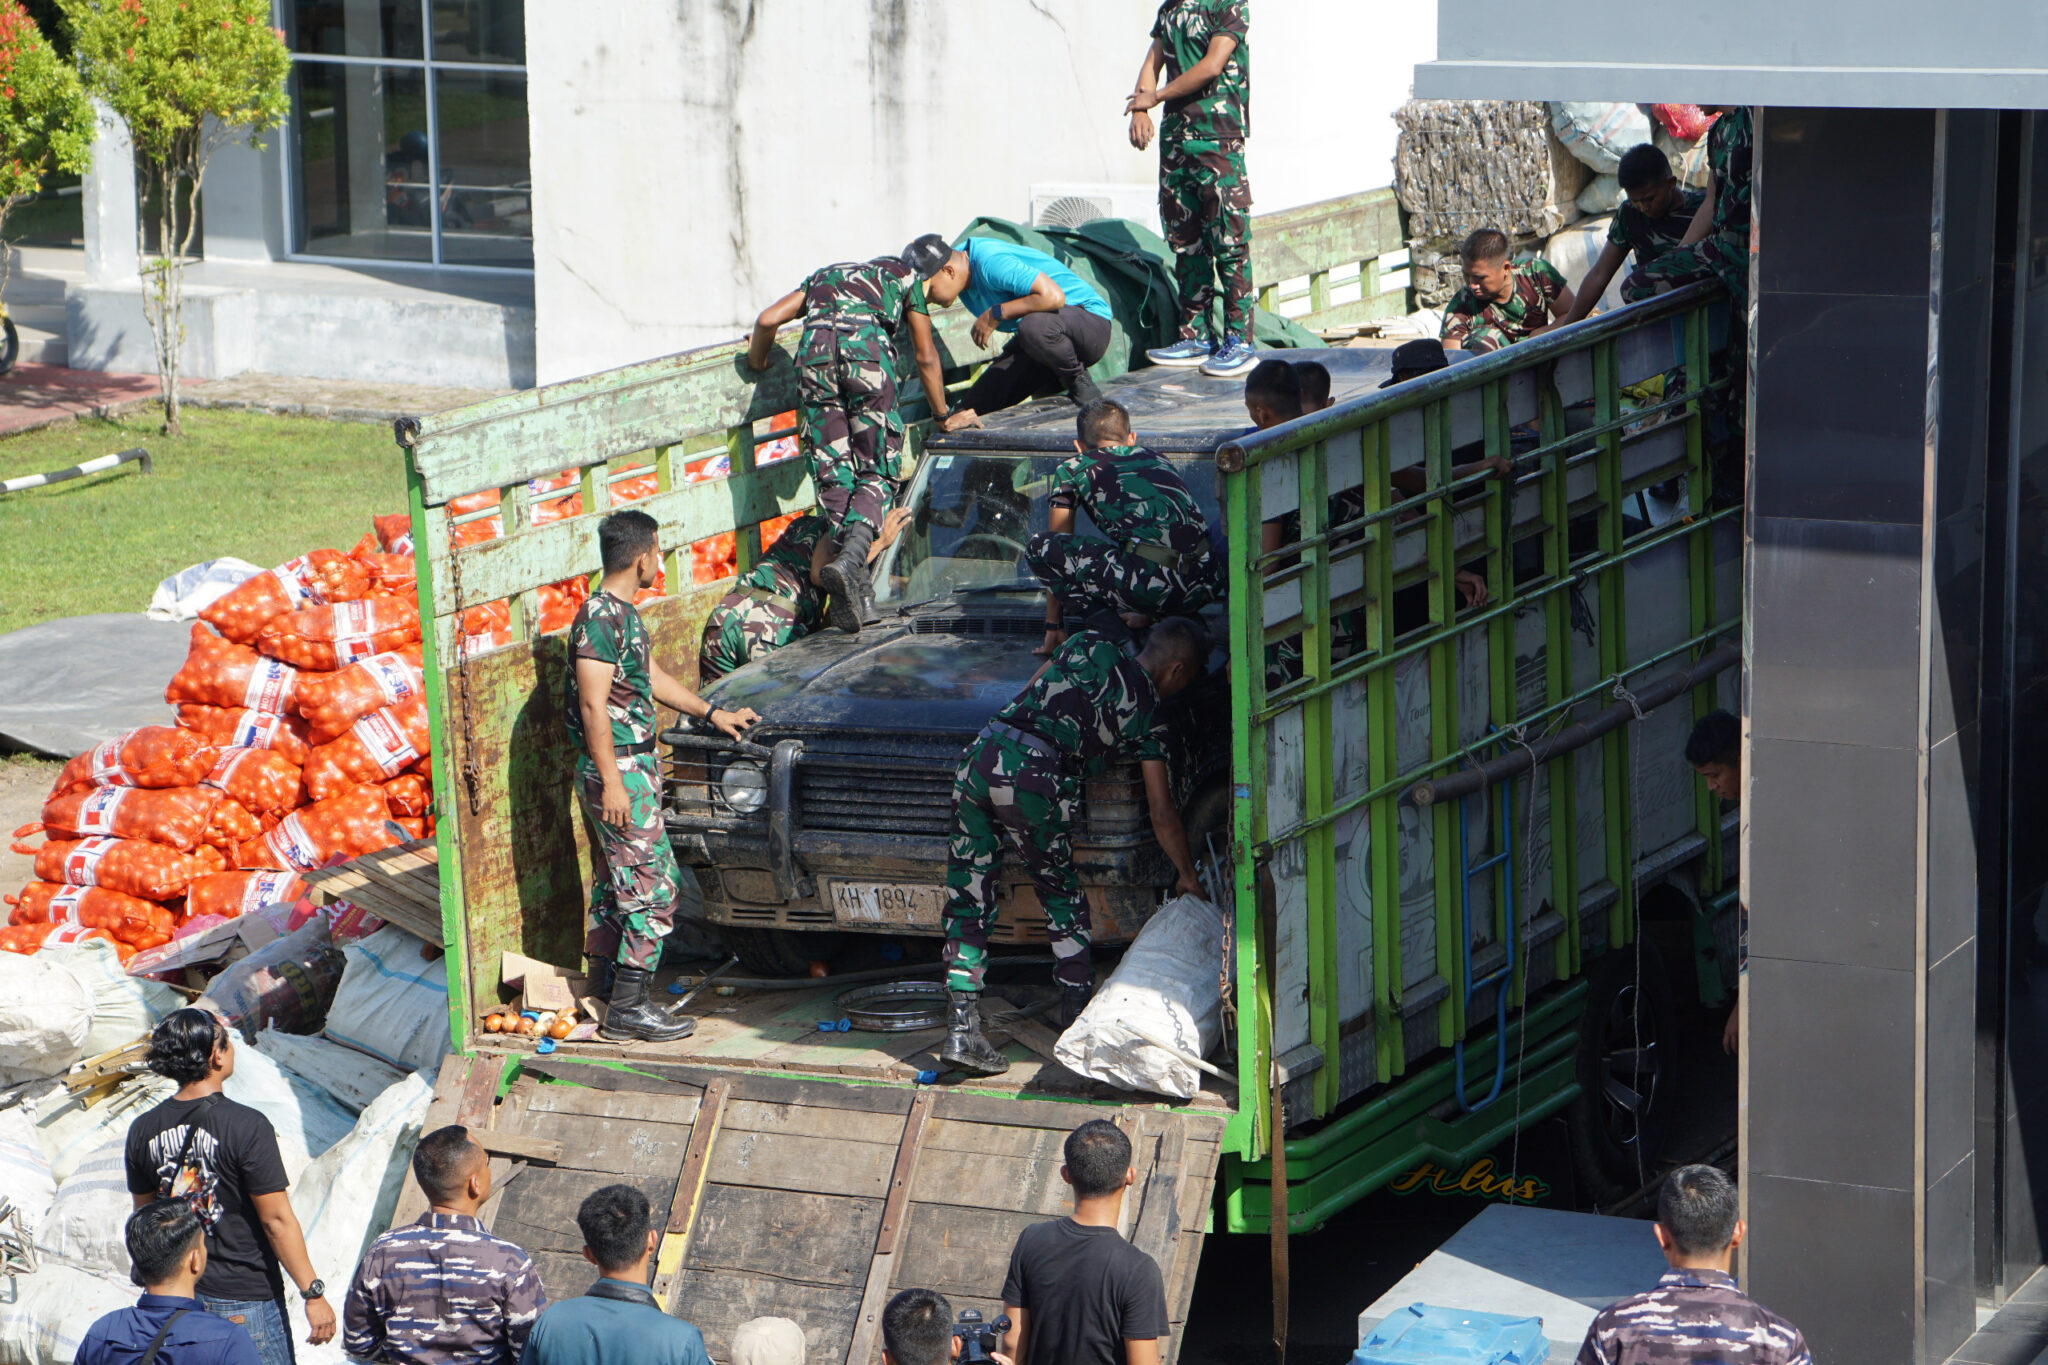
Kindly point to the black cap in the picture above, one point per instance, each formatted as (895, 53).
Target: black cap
(1413, 359)
(928, 255)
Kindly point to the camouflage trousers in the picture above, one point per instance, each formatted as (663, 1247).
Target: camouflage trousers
(1086, 575)
(1205, 207)
(634, 878)
(1006, 794)
(744, 626)
(848, 422)
(1712, 257)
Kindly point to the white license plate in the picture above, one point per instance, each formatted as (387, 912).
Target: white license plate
(887, 903)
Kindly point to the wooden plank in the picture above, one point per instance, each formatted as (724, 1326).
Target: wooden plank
(608, 1078)
(539, 1212)
(962, 1178)
(873, 1099)
(1313, 237)
(1158, 1222)
(788, 1162)
(519, 1145)
(625, 1105)
(479, 1092)
(814, 1120)
(810, 1238)
(689, 1192)
(1022, 1112)
(960, 1251)
(867, 1330)
(716, 1302)
(620, 1146)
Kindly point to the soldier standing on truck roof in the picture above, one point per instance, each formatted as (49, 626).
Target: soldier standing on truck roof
(1205, 196)
(612, 686)
(1017, 784)
(847, 418)
(1157, 561)
(780, 598)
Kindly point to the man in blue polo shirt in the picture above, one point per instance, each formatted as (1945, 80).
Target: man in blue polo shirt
(617, 1321)
(167, 1325)
(1061, 325)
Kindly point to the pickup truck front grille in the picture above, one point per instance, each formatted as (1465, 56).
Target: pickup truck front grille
(1022, 627)
(875, 794)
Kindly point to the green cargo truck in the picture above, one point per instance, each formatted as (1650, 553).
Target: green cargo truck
(1468, 868)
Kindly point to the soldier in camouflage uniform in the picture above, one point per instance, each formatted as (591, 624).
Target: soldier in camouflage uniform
(1721, 247)
(442, 1290)
(1157, 560)
(1653, 218)
(778, 600)
(1502, 302)
(1696, 1315)
(1097, 698)
(1205, 197)
(610, 690)
(848, 422)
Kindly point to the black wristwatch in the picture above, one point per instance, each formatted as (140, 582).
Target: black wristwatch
(995, 310)
(315, 1290)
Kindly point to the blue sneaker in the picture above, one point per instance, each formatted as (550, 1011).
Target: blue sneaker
(1234, 356)
(1188, 351)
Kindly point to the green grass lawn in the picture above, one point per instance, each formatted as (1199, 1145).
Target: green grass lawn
(259, 487)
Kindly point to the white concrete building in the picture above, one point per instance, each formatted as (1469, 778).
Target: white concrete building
(495, 192)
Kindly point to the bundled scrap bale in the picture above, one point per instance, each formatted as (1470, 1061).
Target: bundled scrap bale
(1460, 165)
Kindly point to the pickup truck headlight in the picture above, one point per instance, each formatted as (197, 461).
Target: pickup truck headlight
(744, 786)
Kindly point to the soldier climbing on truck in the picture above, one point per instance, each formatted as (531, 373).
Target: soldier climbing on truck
(780, 599)
(847, 414)
(1157, 560)
(1019, 783)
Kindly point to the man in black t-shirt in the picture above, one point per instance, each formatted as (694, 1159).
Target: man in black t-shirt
(221, 1158)
(1077, 1292)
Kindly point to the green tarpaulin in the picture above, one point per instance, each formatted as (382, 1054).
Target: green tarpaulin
(1132, 267)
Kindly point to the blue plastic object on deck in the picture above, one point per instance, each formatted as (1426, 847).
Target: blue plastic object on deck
(835, 1026)
(927, 1078)
(544, 1046)
(1424, 1335)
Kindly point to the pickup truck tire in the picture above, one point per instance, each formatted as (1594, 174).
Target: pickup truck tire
(1206, 820)
(779, 952)
(1621, 1118)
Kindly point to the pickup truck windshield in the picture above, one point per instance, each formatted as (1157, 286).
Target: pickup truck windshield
(973, 511)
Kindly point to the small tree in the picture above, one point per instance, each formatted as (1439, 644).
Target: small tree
(187, 77)
(45, 118)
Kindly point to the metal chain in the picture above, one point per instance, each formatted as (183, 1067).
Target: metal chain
(1519, 736)
(472, 771)
(1635, 819)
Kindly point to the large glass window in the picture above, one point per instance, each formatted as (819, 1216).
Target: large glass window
(408, 131)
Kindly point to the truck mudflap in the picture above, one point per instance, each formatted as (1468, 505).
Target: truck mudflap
(811, 1200)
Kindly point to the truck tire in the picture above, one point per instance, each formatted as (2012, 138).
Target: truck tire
(779, 952)
(1621, 1118)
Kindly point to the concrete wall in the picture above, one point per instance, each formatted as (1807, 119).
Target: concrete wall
(694, 158)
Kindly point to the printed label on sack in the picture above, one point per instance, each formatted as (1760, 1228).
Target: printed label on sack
(106, 765)
(96, 812)
(85, 856)
(66, 933)
(224, 768)
(301, 583)
(353, 633)
(64, 906)
(270, 686)
(255, 730)
(290, 842)
(384, 740)
(266, 888)
(394, 675)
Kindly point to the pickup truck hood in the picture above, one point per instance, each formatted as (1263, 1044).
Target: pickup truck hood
(885, 679)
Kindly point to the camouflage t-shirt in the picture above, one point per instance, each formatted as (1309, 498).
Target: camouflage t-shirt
(1134, 496)
(1633, 230)
(1730, 150)
(785, 567)
(610, 631)
(1692, 1315)
(1531, 303)
(441, 1290)
(881, 293)
(1223, 108)
(1092, 702)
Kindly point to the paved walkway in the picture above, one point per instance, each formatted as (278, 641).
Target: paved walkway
(38, 395)
(2016, 1334)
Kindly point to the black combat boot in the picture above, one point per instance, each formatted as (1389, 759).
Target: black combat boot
(965, 1047)
(597, 977)
(846, 578)
(1073, 999)
(632, 1019)
(1083, 391)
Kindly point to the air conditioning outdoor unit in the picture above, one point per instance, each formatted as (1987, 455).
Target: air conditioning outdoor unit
(1070, 204)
